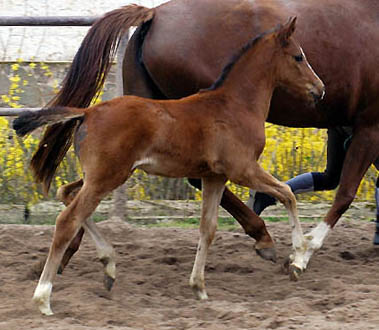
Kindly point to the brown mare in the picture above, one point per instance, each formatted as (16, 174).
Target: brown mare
(197, 136)
(183, 45)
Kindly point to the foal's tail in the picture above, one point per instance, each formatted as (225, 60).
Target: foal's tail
(84, 80)
(29, 121)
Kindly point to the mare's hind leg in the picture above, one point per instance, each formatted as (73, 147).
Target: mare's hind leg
(258, 179)
(211, 196)
(105, 250)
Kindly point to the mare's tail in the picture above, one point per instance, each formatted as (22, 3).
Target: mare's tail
(84, 80)
(29, 121)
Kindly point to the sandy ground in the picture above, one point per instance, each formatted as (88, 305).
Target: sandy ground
(340, 290)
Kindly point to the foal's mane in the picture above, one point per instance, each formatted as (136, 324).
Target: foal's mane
(234, 59)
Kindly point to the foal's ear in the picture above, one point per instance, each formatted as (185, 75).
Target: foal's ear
(286, 31)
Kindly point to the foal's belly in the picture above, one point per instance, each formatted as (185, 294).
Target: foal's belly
(174, 167)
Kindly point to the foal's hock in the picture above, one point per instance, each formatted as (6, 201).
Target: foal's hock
(196, 136)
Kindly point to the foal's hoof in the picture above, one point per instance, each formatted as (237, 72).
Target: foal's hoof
(198, 290)
(294, 272)
(60, 270)
(108, 282)
(200, 294)
(45, 310)
(267, 254)
(41, 298)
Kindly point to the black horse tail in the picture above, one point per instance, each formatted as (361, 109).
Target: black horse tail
(83, 82)
(29, 121)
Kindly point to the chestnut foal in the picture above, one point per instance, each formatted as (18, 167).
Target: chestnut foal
(216, 135)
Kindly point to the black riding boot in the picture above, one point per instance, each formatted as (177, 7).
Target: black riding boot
(376, 236)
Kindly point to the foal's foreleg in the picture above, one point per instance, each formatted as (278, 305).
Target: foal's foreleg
(253, 225)
(211, 197)
(260, 180)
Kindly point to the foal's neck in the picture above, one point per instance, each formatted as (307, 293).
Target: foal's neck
(251, 81)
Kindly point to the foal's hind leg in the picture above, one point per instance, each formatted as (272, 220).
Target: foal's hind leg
(67, 225)
(105, 250)
(66, 195)
(211, 197)
(105, 253)
(258, 179)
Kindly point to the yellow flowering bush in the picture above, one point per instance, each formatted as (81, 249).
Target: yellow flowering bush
(16, 181)
(293, 151)
(288, 151)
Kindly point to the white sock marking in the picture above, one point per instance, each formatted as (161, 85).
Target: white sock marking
(313, 242)
(317, 235)
(42, 297)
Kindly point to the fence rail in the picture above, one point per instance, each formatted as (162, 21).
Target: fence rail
(13, 112)
(41, 21)
(47, 20)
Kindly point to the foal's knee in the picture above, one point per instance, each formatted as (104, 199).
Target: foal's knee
(289, 198)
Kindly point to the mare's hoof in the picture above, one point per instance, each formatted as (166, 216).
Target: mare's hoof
(294, 272)
(108, 282)
(267, 254)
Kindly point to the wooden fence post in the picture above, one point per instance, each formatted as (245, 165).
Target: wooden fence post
(119, 195)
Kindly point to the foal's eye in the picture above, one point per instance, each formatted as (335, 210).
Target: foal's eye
(298, 58)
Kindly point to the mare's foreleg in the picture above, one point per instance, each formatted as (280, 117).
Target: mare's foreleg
(211, 196)
(362, 152)
(253, 225)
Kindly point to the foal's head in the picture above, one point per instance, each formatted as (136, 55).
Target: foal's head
(293, 72)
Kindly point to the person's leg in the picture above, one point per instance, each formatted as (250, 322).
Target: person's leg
(302, 183)
(313, 181)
